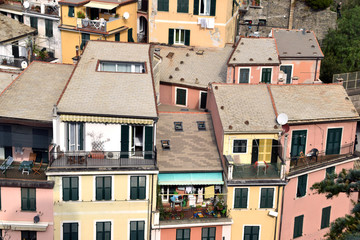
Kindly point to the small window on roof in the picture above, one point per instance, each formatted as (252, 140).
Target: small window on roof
(165, 144)
(125, 67)
(201, 125)
(178, 126)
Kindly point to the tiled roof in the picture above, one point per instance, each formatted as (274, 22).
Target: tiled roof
(6, 78)
(83, 2)
(313, 102)
(33, 94)
(190, 149)
(12, 29)
(110, 93)
(185, 66)
(297, 43)
(253, 51)
(245, 108)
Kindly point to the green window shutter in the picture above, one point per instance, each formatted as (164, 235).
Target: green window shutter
(81, 136)
(107, 188)
(66, 231)
(84, 38)
(196, 7)
(99, 230)
(183, 6)
(66, 188)
(267, 198)
(117, 37)
(163, 5)
(99, 188)
(24, 199)
(124, 141)
(181, 96)
(149, 136)
(244, 75)
(71, 11)
(133, 188)
(330, 170)
(301, 188)
(74, 188)
(130, 33)
(325, 217)
(213, 8)
(187, 37)
(74, 231)
(333, 142)
(133, 230)
(171, 36)
(32, 199)
(263, 198)
(298, 141)
(140, 230)
(142, 188)
(298, 226)
(34, 22)
(241, 195)
(48, 28)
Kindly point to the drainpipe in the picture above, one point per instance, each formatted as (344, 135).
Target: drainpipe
(234, 74)
(277, 208)
(151, 205)
(282, 207)
(316, 69)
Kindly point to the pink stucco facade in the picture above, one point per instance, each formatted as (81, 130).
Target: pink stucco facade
(255, 74)
(195, 233)
(21, 156)
(168, 96)
(12, 214)
(311, 206)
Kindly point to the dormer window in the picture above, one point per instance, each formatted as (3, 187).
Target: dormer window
(165, 144)
(201, 125)
(178, 126)
(125, 67)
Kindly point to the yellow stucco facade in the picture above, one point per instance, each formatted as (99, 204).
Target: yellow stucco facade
(222, 32)
(120, 210)
(72, 28)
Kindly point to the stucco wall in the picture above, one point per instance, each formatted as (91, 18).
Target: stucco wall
(195, 233)
(304, 69)
(255, 74)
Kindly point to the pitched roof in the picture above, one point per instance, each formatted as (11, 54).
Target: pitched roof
(191, 150)
(12, 29)
(83, 2)
(311, 102)
(33, 94)
(245, 108)
(6, 78)
(110, 93)
(297, 43)
(255, 51)
(183, 65)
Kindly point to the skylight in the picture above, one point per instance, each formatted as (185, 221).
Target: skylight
(125, 67)
(178, 126)
(201, 125)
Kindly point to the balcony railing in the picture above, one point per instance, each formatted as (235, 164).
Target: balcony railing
(190, 213)
(49, 9)
(101, 159)
(11, 61)
(316, 157)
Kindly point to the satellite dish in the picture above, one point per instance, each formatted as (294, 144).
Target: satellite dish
(36, 219)
(26, 4)
(24, 64)
(126, 15)
(282, 119)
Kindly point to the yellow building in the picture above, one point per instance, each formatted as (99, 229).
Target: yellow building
(205, 23)
(247, 135)
(108, 20)
(103, 162)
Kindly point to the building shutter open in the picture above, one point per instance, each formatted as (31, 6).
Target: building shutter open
(124, 141)
(213, 8)
(149, 142)
(171, 36)
(187, 37)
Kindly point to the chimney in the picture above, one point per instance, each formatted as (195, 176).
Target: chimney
(340, 81)
(77, 57)
(295, 80)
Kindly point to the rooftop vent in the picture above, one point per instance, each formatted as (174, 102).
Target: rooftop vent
(165, 144)
(184, 109)
(170, 77)
(242, 43)
(177, 69)
(234, 59)
(298, 53)
(222, 107)
(181, 62)
(170, 55)
(157, 50)
(251, 59)
(196, 80)
(313, 46)
(246, 122)
(201, 125)
(216, 87)
(270, 59)
(182, 79)
(200, 52)
(187, 54)
(230, 127)
(178, 126)
(284, 52)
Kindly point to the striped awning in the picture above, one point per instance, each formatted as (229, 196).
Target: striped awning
(101, 5)
(97, 119)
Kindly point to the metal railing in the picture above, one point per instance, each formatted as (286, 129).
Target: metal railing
(11, 61)
(98, 25)
(350, 80)
(49, 9)
(101, 159)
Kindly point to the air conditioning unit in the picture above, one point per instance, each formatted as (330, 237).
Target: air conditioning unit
(112, 155)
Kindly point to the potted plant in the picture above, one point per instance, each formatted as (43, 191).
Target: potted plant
(80, 14)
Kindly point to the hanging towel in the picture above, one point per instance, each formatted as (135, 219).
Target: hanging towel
(210, 22)
(203, 22)
(209, 192)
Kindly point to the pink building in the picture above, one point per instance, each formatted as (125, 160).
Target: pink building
(318, 139)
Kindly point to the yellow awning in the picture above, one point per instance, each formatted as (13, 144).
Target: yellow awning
(101, 5)
(96, 119)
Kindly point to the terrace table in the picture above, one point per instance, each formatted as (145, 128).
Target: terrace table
(26, 166)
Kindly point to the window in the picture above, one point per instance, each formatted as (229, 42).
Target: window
(241, 198)
(208, 233)
(182, 234)
(201, 125)
(298, 141)
(183, 6)
(33, 22)
(70, 231)
(205, 7)
(48, 28)
(117, 37)
(85, 37)
(267, 198)
(21, 18)
(71, 11)
(330, 170)
(75, 136)
(70, 187)
(137, 230)
(239, 146)
(137, 188)
(124, 67)
(178, 126)
(301, 187)
(28, 235)
(244, 75)
(179, 36)
(298, 226)
(266, 75)
(163, 5)
(203, 98)
(28, 199)
(103, 230)
(287, 69)
(181, 96)
(251, 232)
(255, 3)
(325, 217)
(130, 33)
(103, 188)
(333, 142)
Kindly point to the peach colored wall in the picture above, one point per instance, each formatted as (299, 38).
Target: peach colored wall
(168, 96)
(255, 74)
(195, 233)
(311, 206)
(304, 69)
(11, 209)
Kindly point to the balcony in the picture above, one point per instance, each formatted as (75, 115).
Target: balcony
(12, 62)
(48, 8)
(103, 159)
(101, 25)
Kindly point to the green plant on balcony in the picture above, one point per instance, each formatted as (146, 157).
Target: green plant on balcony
(80, 14)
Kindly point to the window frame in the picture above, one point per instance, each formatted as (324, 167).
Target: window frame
(341, 138)
(247, 200)
(179, 10)
(71, 11)
(29, 232)
(331, 167)
(79, 142)
(297, 186)
(62, 188)
(166, 8)
(70, 222)
(183, 234)
(251, 225)
(176, 96)
(291, 143)
(117, 64)
(137, 188)
(200, 93)
(207, 3)
(273, 200)
(233, 145)
(103, 221)
(271, 75)
(181, 32)
(292, 71)
(27, 208)
(302, 226)
(208, 233)
(49, 31)
(324, 225)
(239, 70)
(33, 22)
(137, 220)
(103, 191)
